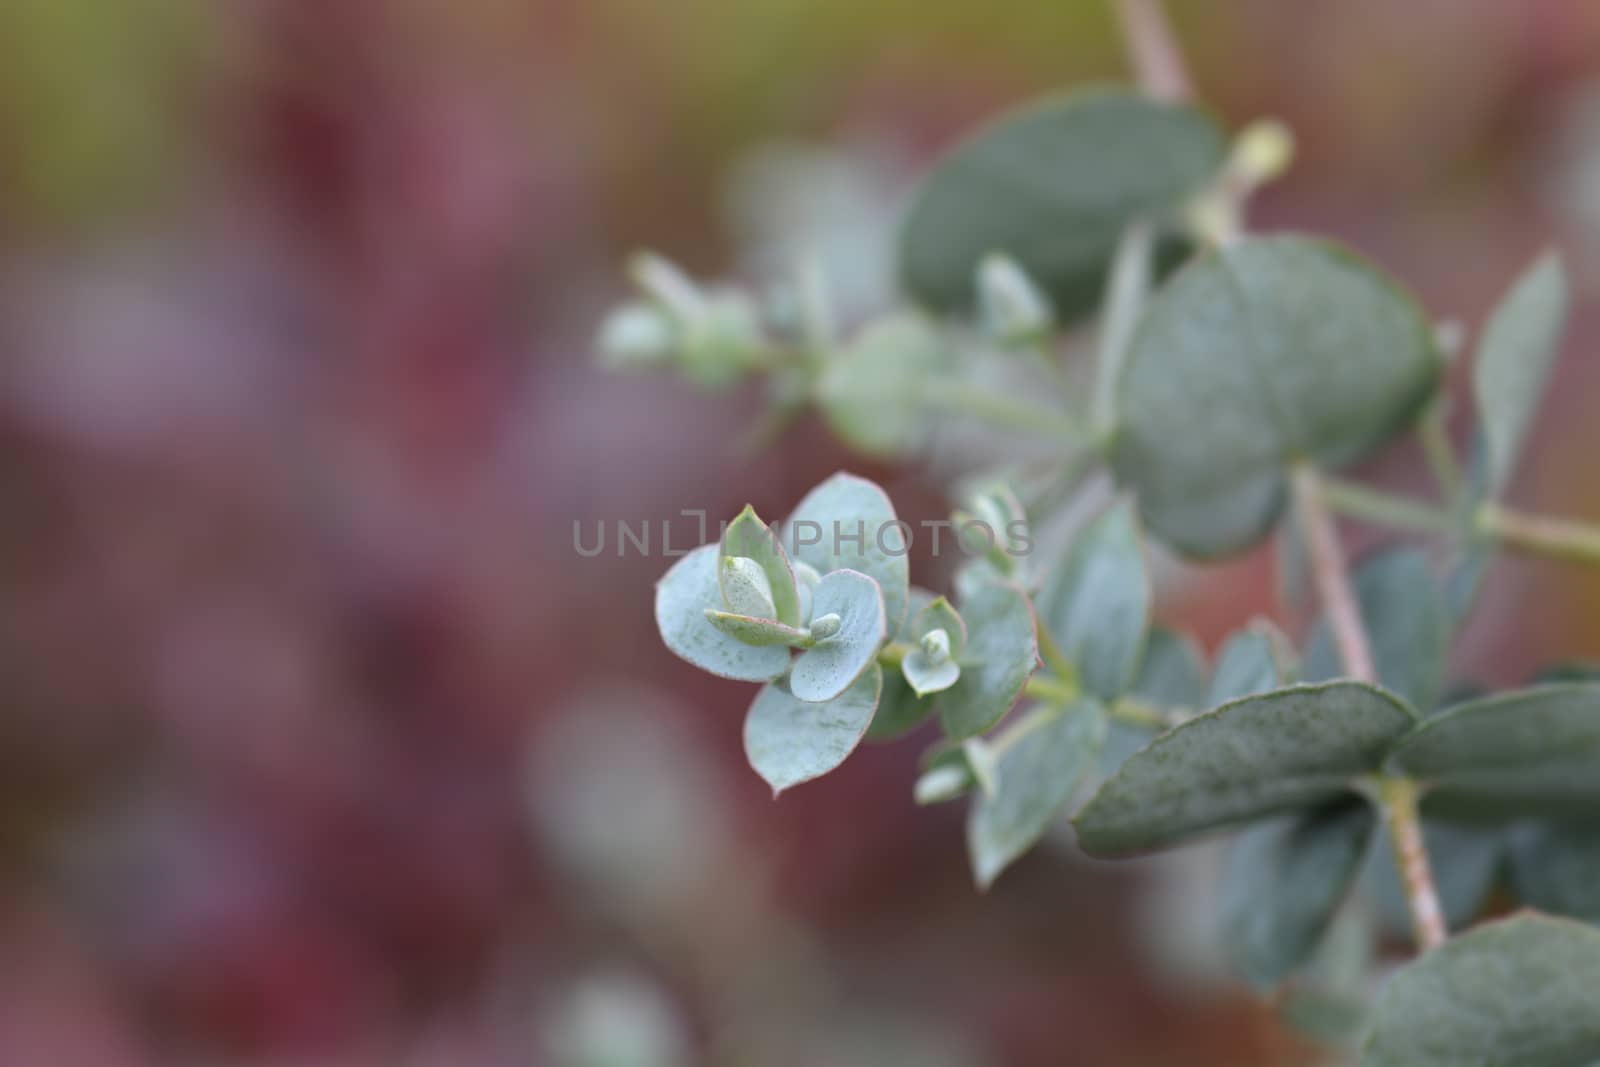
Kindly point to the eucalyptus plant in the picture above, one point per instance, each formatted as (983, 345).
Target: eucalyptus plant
(1236, 376)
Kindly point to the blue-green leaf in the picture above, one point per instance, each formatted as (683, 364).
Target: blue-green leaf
(683, 595)
(1515, 993)
(1098, 605)
(1002, 651)
(1264, 353)
(748, 537)
(789, 741)
(1534, 751)
(753, 631)
(833, 664)
(1036, 776)
(1284, 882)
(1519, 349)
(1053, 185)
(1172, 677)
(1264, 755)
(848, 522)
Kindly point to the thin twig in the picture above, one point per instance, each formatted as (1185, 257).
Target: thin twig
(1153, 50)
(1331, 576)
(1399, 803)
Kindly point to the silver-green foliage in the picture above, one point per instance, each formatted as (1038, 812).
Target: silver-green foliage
(1261, 363)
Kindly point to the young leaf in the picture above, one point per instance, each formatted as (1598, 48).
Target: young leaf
(753, 631)
(1098, 605)
(1519, 992)
(1533, 751)
(871, 392)
(1002, 651)
(1264, 755)
(1555, 867)
(747, 537)
(930, 668)
(1254, 660)
(1037, 775)
(683, 596)
(1284, 882)
(1267, 351)
(832, 665)
(1465, 861)
(1408, 627)
(1053, 185)
(745, 589)
(899, 709)
(789, 741)
(849, 522)
(1519, 349)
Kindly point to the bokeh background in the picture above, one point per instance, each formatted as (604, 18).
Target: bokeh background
(322, 745)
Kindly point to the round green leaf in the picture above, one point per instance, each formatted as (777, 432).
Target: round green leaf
(1002, 651)
(1534, 751)
(833, 665)
(789, 741)
(683, 596)
(1514, 993)
(1283, 884)
(748, 537)
(1264, 755)
(1408, 627)
(1036, 777)
(849, 522)
(1520, 345)
(1053, 185)
(871, 392)
(1098, 605)
(1269, 351)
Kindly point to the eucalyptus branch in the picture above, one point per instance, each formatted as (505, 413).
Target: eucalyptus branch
(1440, 453)
(1397, 796)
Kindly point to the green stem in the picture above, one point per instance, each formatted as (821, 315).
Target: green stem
(1398, 800)
(1138, 713)
(1051, 690)
(1125, 296)
(1054, 658)
(1003, 411)
(1387, 509)
(1441, 454)
(1541, 536)
(1534, 535)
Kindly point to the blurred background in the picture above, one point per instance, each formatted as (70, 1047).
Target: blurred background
(322, 745)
